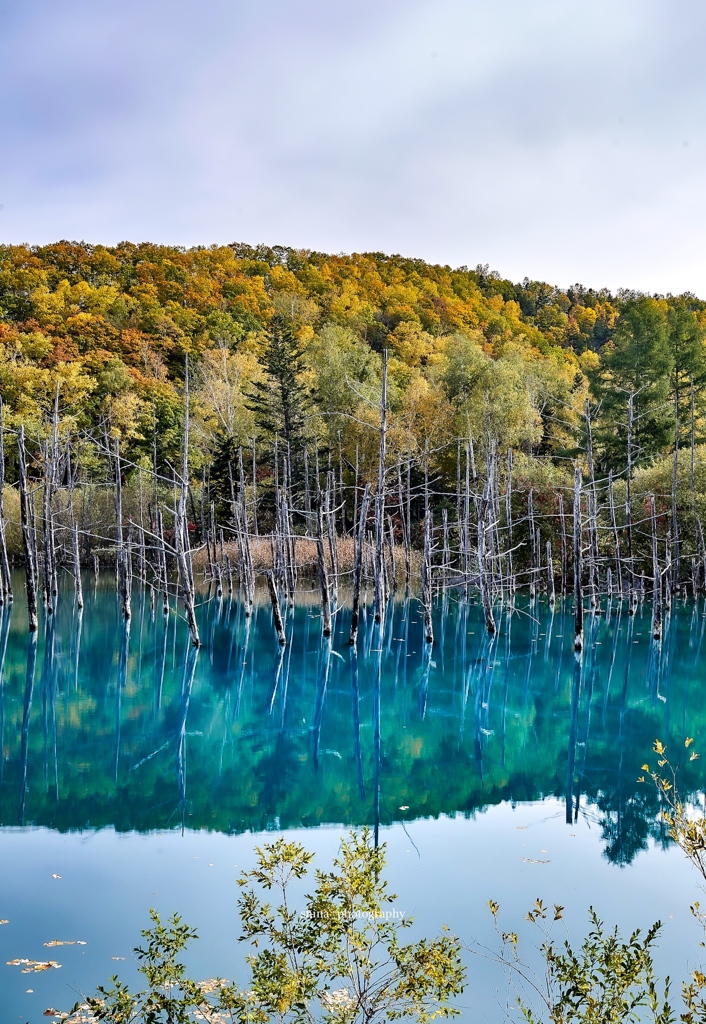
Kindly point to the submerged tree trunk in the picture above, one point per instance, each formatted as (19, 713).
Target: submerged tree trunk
(5, 577)
(426, 580)
(276, 613)
(358, 565)
(181, 527)
(121, 553)
(578, 564)
(616, 535)
(28, 535)
(656, 577)
(323, 574)
(380, 594)
(628, 509)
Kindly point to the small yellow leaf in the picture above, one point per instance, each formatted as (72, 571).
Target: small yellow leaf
(645, 768)
(688, 741)
(694, 755)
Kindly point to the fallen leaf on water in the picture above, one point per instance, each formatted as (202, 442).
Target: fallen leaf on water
(4, 922)
(33, 966)
(533, 860)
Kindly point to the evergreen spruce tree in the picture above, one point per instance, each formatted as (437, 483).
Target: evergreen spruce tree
(280, 401)
(686, 344)
(639, 360)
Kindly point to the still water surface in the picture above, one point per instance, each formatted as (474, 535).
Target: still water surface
(143, 775)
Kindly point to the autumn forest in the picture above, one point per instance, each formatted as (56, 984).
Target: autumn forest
(475, 363)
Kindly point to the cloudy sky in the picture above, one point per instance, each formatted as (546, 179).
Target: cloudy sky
(549, 138)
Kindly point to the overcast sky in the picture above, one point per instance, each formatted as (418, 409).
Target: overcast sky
(549, 138)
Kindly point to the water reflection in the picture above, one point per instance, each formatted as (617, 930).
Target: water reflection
(103, 723)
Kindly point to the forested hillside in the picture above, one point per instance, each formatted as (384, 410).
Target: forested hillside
(471, 355)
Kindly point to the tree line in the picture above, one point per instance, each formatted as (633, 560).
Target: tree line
(288, 342)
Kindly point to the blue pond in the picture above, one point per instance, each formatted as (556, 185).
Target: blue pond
(135, 774)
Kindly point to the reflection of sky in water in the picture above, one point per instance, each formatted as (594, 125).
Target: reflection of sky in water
(247, 738)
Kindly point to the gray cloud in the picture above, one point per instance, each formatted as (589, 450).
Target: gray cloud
(547, 138)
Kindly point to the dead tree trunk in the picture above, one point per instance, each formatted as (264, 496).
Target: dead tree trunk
(51, 586)
(391, 545)
(358, 565)
(5, 576)
(467, 520)
(254, 488)
(380, 595)
(482, 571)
(249, 567)
(426, 580)
(77, 565)
(307, 495)
(403, 522)
(47, 571)
(592, 514)
(533, 545)
(341, 492)
(675, 521)
(121, 553)
(216, 567)
(692, 468)
(446, 548)
(28, 535)
(616, 535)
(142, 554)
(656, 576)
(323, 574)
(508, 522)
(564, 547)
(628, 509)
(163, 577)
(181, 527)
(78, 584)
(331, 534)
(276, 613)
(578, 565)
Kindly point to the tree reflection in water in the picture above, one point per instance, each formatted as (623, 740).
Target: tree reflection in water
(143, 732)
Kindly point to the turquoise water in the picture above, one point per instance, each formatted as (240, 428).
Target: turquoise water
(144, 775)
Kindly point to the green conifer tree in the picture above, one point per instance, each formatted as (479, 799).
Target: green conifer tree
(686, 344)
(638, 361)
(280, 401)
